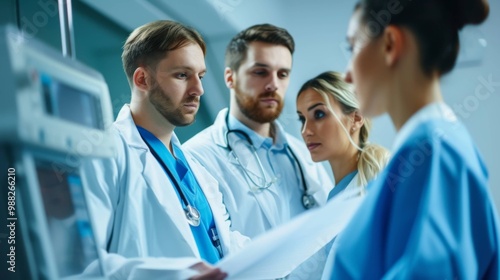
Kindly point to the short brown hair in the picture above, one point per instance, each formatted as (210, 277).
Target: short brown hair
(148, 44)
(236, 51)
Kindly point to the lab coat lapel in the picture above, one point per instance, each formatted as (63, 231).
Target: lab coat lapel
(155, 177)
(353, 189)
(164, 191)
(219, 138)
(219, 134)
(264, 205)
(257, 195)
(211, 191)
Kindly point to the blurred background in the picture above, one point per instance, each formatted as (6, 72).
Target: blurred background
(318, 27)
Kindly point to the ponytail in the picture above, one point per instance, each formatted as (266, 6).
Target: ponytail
(372, 158)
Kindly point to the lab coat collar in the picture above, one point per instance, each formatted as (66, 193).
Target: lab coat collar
(207, 184)
(220, 134)
(126, 125)
(433, 111)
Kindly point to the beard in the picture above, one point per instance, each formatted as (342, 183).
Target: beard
(252, 108)
(166, 107)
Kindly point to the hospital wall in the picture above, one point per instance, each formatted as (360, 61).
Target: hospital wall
(318, 26)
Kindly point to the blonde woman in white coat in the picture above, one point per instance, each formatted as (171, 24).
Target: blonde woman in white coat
(335, 131)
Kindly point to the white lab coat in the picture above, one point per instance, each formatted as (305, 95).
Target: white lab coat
(249, 211)
(313, 268)
(353, 190)
(136, 210)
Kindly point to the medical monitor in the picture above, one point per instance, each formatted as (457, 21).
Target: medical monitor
(68, 220)
(51, 101)
(70, 103)
(56, 219)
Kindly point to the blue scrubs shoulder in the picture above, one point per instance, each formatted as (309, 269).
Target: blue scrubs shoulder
(429, 215)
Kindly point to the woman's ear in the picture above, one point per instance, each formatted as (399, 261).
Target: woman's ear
(394, 44)
(357, 121)
(140, 79)
(229, 77)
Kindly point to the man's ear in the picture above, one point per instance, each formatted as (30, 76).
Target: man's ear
(394, 44)
(141, 79)
(229, 77)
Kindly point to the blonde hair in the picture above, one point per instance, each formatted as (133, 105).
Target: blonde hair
(372, 158)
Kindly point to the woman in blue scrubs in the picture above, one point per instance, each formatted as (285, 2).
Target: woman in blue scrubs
(429, 214)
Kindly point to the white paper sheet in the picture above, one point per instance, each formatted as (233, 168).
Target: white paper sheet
(279, 251)
(156, 269)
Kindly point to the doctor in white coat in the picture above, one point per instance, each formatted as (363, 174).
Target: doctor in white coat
(154, 207)
(253, 212)
(334, 130)
(267, 176)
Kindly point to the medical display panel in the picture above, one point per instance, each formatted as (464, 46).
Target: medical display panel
(51, 101)
(68, 220)
(54, 222)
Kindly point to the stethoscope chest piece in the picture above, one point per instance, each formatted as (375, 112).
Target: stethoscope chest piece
(308, 201)
(193, 215)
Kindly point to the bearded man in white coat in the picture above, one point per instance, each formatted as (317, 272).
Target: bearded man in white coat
(154, 207)
(266, 175)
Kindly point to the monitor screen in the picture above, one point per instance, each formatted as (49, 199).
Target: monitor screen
(71, 104)
(68, 219)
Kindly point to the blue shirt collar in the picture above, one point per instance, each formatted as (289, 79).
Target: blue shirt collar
(257, 139)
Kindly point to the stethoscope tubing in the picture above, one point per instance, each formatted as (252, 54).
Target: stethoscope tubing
(249, 140)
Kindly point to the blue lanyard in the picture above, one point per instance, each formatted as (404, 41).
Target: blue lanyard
(172, 177)
(153, 147)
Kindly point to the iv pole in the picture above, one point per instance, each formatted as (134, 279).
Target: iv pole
(66, 24)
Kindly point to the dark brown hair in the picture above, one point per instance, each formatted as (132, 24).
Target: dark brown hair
(236, 51)
(148, 44)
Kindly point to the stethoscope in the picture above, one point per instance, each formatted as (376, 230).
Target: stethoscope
(307, 199)
(192, 214)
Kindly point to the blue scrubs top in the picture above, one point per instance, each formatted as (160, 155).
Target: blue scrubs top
(192, 191)
(429, 214)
